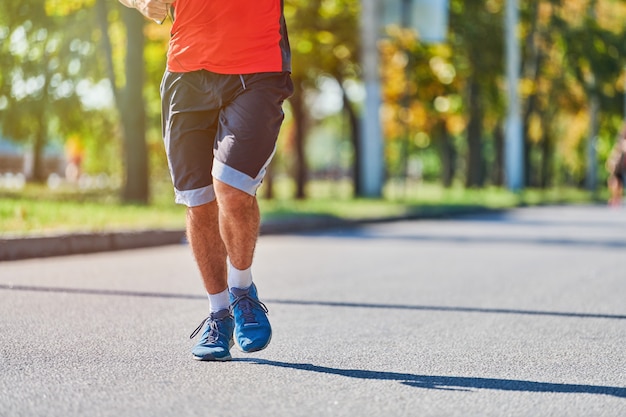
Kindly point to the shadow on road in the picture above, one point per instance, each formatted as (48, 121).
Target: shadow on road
(452, 383)
(121, 293)
(451, 309)
(364, 233)
(593, 220)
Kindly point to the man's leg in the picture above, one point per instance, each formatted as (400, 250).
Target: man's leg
(191, 107)
(239, 220)
(210, 254)
(245, 143)
(207, 247)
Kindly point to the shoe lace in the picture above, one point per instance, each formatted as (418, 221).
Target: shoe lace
(247, 304)
(214, 330)
(197, 330)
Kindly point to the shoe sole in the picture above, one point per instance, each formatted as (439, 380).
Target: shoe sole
(215, 359)
(212, 358)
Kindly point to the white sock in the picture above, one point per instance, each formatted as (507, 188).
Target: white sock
(219, 301)
(238, 278)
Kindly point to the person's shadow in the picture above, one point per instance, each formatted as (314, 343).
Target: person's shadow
(451, 383)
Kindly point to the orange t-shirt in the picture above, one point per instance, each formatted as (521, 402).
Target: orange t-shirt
(229, 37)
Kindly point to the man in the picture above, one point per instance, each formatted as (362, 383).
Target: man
(228, 73)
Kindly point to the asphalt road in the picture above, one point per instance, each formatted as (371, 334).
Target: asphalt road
(520, 313)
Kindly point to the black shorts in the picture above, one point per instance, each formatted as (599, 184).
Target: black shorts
(220, 126)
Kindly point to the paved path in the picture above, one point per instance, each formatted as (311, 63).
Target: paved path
(512, 314)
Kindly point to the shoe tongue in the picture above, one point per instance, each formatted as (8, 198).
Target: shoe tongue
(220, 314)
(238, 292)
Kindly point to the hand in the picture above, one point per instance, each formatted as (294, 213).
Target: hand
(152, 9)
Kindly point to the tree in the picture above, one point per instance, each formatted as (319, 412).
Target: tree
(133, 112)
(422, 107)
(43, 55)
(324, 41)
(572, 60)
(478, 48)
(129, 100)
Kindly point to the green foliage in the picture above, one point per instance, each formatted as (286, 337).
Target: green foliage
(324, 38)
(48, 86)
(37, 209)
(52, 60)
(571, 50)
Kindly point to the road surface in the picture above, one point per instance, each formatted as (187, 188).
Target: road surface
(521, 313)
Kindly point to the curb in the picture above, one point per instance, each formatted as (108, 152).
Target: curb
(80, 243)
(17, 248)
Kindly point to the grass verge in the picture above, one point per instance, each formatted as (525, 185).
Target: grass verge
(39, 210)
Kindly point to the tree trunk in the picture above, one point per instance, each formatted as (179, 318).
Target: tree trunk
(41, 136)
(38, 172)
(136, 189)
(474, 176)
(103, 22)
(355, 133)
(546, 162)
(530, 70)
(591, 178)
(448, 154)
(498, 169)
(299, 116)
(268, 183)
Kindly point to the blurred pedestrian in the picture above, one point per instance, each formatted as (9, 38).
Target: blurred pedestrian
(74, 152)
(616, 166)
(228, 73)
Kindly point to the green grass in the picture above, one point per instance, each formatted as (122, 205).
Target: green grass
(38, 210)
(415, 199)
(29, 214)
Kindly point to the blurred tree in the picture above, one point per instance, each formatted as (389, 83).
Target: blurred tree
(51, 79)
(45, 52)
(478, 47)
(133, 112)
(567, 46)
(572, 60)
(434, 93)
(129, 100)
(592, 51)
(55, 54)
(324, 41)
(422, 107)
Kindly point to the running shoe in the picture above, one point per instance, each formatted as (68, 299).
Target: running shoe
(252, 328)
(217, 338)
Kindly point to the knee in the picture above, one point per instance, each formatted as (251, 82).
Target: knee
(202, 212)
(231, 198)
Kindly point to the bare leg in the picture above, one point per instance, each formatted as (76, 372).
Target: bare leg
(239, 221)
(203, 233)
(210, 253)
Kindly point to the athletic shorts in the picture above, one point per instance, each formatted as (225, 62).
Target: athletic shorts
(220, 126)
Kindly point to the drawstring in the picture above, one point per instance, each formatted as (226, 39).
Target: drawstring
(243, 83)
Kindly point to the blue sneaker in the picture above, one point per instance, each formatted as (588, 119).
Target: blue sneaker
(252, 328)
(217, 339)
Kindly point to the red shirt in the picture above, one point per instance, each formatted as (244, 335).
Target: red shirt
(229, 37)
